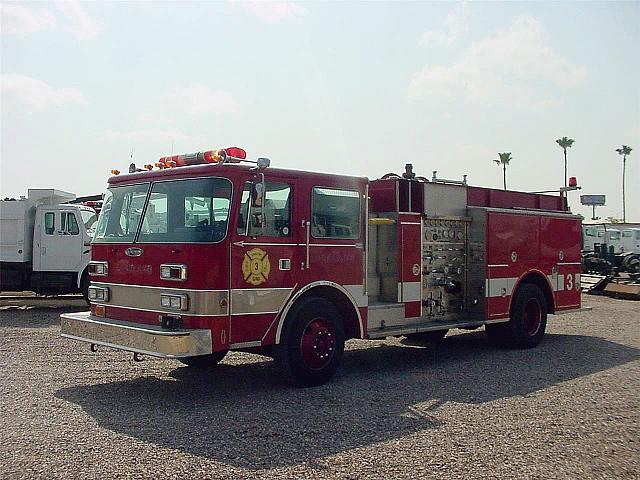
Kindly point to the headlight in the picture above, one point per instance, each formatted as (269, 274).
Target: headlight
(98, 294)
(174, 302)
(98, 269)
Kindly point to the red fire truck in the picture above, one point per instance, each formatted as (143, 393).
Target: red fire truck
(209, 252)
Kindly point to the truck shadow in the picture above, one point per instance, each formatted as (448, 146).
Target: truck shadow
(243, 416)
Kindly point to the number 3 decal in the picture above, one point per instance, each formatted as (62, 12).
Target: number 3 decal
(570, 282)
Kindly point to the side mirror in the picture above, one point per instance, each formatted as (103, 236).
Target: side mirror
(258, 192)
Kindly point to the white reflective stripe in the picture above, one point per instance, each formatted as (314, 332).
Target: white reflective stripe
(410, 291)
(357, 293)
(500, 287)
(557, 283)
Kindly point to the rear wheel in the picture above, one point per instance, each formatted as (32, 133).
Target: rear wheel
(312, 343)
(204, 361)
(528, 320)
(431, 337)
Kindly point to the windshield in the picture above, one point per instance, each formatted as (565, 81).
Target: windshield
(175, 211)
(187, 211)
(89, 218)
(120, 215)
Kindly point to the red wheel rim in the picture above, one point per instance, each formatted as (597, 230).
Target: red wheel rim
(318, 343)
(532, 318)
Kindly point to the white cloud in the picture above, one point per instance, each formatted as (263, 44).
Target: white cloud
(502, 68)
(272, 11)
(149, 135)
(454, 24)
(20, 19)
(79, 23)
(196, 99)
(36, 93)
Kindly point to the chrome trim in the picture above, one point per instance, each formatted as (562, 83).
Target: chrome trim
(498, 265)
(365, 269)
(133, 337)
(258, 300)
(133, 252)
(160, 288)
(257, 343)
(136, 297)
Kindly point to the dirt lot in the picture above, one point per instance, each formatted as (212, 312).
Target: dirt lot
(568, 409)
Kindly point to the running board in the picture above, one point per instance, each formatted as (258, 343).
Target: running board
(429, 327)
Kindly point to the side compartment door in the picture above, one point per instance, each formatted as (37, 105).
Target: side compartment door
(410, 263)
(560, 247)
(264, 259)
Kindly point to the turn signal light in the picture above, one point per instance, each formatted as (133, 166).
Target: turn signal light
(98, 269)
(173, 272)
(115, 172)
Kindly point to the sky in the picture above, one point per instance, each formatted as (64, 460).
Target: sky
(356, 88)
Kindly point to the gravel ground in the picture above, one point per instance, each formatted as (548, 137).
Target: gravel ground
(567, 409)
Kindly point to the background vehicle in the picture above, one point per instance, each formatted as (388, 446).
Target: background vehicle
(45, 243)
(216, 255)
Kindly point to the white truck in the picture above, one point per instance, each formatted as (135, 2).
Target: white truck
(631, 240)
(45, 243)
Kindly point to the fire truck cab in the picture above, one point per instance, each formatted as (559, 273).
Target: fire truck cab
(209, 254)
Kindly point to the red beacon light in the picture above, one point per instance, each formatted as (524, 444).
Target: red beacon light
(573, 182)
(222, 155)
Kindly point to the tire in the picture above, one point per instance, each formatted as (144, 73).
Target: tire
(204, 361)
(312, 343)
(433, 336)
(84, 287)
(528, 320)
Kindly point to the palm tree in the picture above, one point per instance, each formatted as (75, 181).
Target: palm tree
(565, 143)
(624, 151)
(505, 158)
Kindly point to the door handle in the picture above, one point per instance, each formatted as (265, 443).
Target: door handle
(307, 224)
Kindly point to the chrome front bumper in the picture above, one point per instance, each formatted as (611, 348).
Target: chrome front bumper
(134, 337)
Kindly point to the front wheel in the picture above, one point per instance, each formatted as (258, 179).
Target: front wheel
(204, 361)
(84, 287)
(312, 343)
(528, 320)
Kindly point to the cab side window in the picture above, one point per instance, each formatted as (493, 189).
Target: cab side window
(49, 223)
(72, 224)
(272, 218)
(335, 213)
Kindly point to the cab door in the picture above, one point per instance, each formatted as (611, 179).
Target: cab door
(60, 243)
(264, 258)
